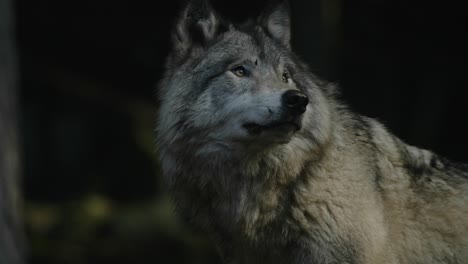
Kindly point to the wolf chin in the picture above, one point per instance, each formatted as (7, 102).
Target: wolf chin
(260, 154)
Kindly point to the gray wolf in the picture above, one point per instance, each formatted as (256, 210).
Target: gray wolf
(261, 155)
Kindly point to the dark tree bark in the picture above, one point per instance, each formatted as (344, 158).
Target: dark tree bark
(10, 228)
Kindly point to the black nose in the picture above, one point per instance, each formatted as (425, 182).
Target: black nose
(296, 101)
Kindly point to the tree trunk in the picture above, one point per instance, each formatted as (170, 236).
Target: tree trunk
(10, 227)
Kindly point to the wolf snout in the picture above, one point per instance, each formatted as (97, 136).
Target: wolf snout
(295, 101)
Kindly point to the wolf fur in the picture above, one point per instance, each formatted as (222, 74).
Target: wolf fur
(331, 186)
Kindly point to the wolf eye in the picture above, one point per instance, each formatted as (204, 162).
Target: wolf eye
(239, 71)
(286, 77)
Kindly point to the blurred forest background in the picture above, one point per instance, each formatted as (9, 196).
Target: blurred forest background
(87, 71)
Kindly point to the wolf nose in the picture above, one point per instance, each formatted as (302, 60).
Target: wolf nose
(296, 101)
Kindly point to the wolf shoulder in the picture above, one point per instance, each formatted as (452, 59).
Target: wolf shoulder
(422, 169)
(425, 197)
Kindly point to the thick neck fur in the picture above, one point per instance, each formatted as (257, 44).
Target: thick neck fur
(243, 194)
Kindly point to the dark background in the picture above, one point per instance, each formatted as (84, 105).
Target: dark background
(88, 69)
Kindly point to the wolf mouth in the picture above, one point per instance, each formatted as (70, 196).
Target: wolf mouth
(255, 128)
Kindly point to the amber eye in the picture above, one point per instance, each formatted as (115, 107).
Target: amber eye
(240, 71)
(286, 77)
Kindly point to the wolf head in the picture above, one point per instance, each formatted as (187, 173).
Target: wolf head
(238, 88)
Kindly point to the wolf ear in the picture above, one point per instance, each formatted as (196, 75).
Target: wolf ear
(197, 24)
(276, 21)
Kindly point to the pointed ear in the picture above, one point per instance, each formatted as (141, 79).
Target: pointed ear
(197, 24)
(277, 23)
